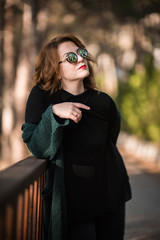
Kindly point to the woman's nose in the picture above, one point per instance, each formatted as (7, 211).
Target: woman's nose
(80, 59)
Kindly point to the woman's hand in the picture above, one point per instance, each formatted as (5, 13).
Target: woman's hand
(69, 110)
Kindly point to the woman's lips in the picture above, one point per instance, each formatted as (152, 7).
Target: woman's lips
(82, 67)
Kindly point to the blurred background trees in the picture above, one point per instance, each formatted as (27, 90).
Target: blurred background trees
(124, 37)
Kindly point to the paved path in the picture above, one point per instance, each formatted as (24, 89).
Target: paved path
(143, 211)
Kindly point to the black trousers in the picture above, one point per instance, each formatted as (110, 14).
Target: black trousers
(107, 226)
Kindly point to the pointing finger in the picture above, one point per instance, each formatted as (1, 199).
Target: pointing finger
(81, 105)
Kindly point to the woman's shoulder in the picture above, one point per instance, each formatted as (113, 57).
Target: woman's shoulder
(37, 103)
(100, 101)
(100, 95)
(38, 93)
(37, 90)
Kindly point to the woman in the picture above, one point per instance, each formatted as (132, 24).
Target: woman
(75, 127)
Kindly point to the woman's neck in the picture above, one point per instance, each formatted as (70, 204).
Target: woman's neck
(74, 87)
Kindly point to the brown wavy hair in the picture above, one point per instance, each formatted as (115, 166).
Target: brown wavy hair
(47, 65)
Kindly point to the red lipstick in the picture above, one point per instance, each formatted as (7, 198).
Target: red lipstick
(82, 67)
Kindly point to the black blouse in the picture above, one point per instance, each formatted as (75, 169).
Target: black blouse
(95, 176)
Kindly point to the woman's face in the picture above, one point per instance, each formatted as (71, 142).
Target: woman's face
(70, 71)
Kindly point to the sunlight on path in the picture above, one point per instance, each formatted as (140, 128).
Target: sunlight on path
(143, 210)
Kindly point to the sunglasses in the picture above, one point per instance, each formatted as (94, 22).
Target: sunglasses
(72, 57)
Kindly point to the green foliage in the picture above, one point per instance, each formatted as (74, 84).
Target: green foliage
(139, 102)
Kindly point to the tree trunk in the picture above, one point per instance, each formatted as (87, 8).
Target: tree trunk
(1, 61)
(23, 79)
(18, 71)
(8, 72)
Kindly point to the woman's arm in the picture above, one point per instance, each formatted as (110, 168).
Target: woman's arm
(41, 132)
(45, 138)
(114, 122)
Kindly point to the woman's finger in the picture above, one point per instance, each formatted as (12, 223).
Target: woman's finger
(69, 109)
(76, 114)
(77, 110)
(81, 105)
(75, 118)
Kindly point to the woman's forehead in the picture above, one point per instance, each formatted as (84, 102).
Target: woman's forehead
(66, 47)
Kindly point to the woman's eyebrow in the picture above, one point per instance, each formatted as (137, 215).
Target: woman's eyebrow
(66, 53)
(69, 52)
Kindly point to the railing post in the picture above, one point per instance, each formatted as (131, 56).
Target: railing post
(21, 201)
(19, 223)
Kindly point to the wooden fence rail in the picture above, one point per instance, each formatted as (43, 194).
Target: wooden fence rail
(20, 200)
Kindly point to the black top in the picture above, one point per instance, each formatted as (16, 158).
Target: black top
(95, 176)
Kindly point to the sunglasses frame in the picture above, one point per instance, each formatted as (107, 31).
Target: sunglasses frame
(78, 50)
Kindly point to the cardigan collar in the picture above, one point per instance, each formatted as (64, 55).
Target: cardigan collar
(64, 95)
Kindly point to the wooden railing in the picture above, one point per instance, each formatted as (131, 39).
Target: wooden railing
(20, 200)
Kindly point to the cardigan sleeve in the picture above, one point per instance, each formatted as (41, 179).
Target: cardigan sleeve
(45, 138)
(42, 131)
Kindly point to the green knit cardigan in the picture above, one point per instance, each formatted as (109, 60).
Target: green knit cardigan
(45, 141)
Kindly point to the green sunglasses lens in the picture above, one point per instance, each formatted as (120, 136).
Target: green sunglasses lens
(82, 52)
(72, 57)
